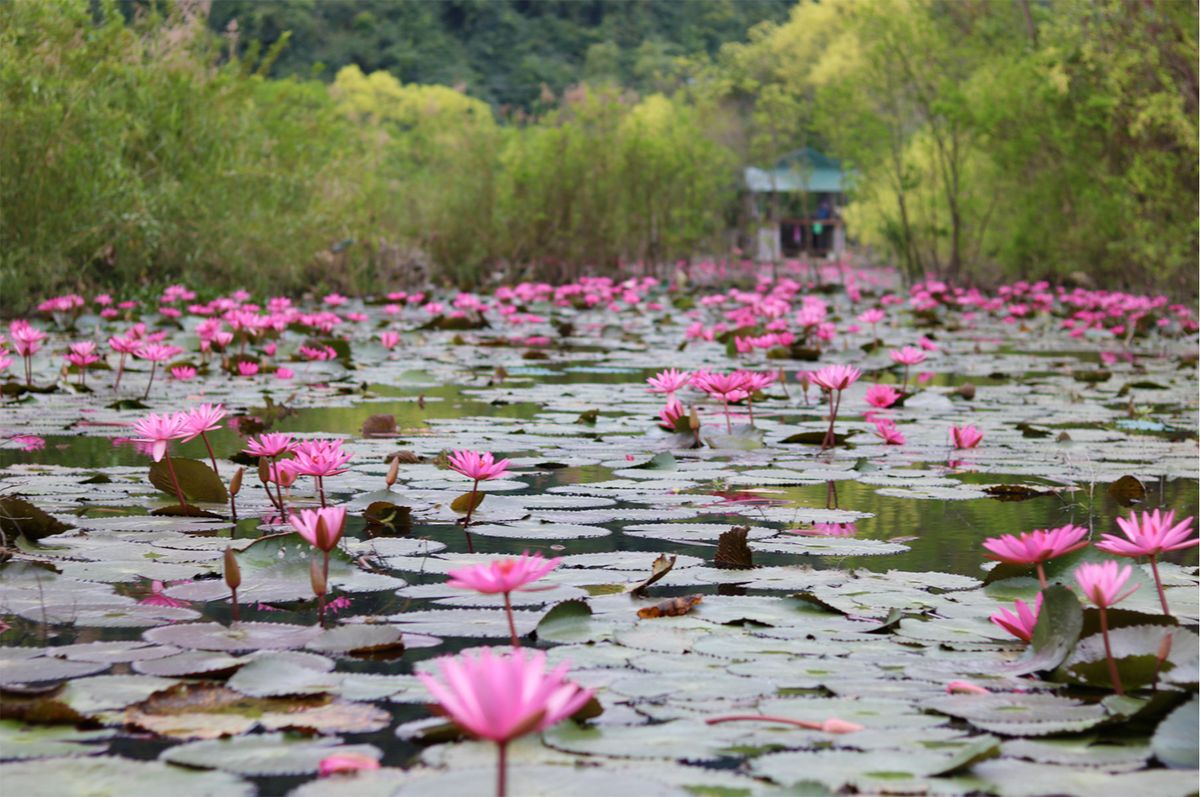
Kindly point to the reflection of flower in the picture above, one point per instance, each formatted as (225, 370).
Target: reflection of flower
(828, 530)
(158, 598)
(341, 763)
(28, 442)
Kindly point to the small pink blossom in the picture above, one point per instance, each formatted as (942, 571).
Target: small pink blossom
(965, 437)
(321, 527)
(882, 396)
(1021, 622)
(345, 763)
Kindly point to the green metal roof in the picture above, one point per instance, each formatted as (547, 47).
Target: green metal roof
(801, 170)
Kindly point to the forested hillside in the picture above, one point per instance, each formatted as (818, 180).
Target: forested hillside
(506, 52)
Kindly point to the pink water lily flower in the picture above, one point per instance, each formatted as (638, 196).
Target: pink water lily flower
(909, 355)
(965, 437)
(504, 696)
(478, 465)
(1101, 583)
(836, 377)
(888, 432)
(670, 414)
(322, 528)
(1019, 623)
(157, 431)
(503, 575)
(882, 396)
(1036, 547)
(183, 373)
(270, 444)
(669, 382)
(1151, 534)
(320, 458)
(202, 418)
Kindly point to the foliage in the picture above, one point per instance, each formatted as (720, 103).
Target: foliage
(1019, 139)
(1037, 139)
(134, 156)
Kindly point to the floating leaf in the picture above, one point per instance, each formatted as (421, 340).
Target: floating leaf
(264, 755)
(19, 741)
(196, 479)
(360, 640)
(1175, 741)
(236, 637)
(1127, 491)
(18, 517)
(467, 502)
(90, 777)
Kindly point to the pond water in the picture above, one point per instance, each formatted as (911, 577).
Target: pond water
(866, 596)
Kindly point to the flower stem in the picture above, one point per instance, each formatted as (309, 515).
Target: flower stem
(813, 726)
(471, 506)
(174, 478)
(512, 626)
(120, 373)
(728, 425)
(1041, 571)
(235, 613)
(502, 770)
(278, 488)
(1162, 595)
(153, 366)
(321, 489)
(1113, 675)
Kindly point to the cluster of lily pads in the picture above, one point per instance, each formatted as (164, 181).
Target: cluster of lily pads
(742, 591)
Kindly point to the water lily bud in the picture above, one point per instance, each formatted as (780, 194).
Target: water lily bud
(965, 688)
(264, 471)
(233, 574)
(393, 471)
(235, 484)
(967, 391)
(694, 420)
(835, 725)
(317, 576)
(1164, 647)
